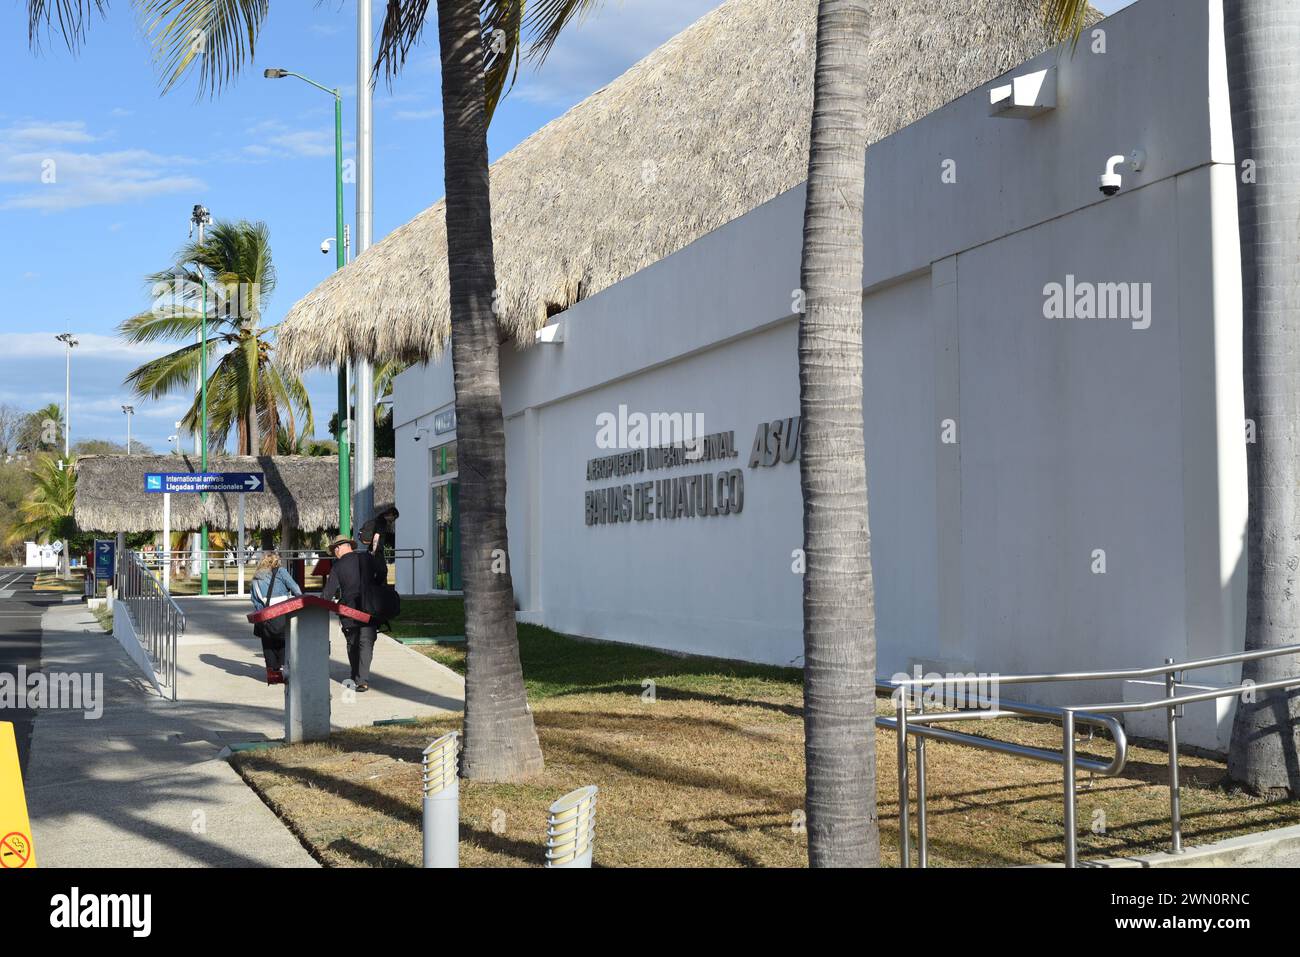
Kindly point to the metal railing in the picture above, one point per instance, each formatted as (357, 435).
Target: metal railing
(920, 725)
(158, 620)
(231, 572)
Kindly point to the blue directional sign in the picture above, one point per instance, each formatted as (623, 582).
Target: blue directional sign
(182, 482)
(105, 551)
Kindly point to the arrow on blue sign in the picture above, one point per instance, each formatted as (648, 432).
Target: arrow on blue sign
(183, 482)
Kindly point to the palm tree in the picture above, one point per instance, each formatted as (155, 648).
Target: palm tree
(47, 510)
(838, 609)
(247, 391)
(500, 740)
(42, 429)
(1263, 87)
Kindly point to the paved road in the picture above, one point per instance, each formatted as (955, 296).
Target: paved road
(20, 641)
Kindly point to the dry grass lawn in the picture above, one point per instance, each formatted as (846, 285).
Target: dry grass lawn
(710, 774)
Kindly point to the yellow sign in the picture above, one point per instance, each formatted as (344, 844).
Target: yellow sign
(16, 848)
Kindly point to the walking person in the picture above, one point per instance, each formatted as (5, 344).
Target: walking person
(272, 584)
(352, 576)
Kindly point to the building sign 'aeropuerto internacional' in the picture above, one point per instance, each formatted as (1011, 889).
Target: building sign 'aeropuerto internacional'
(700, 495)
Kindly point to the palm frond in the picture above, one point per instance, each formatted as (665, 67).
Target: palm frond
(70, 15)
(547, 19)
(1064, 18)
(163, 324)
(158, 377)
(502, 23)
(47, 508)
(402, 29)
(217, 35)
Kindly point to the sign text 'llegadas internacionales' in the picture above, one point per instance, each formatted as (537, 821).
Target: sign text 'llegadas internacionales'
(698, 495)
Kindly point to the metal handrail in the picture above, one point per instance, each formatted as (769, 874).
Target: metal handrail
(158, 620)
(1101, 715)
(228, 558)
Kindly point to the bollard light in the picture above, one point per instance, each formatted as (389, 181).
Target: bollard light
(442, 802)
(571, 829)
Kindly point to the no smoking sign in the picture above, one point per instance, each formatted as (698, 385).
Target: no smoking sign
(15, 850)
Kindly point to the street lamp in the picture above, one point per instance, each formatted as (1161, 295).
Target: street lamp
(341, 435)
(128, 411)
(177, 440)
(71, 343)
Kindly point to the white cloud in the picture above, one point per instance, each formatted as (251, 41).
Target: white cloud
(47, 133)
(272, 138)
(90, 345)
(51, 177)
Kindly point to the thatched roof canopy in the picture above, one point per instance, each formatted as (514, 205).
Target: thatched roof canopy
(111, 496)
(709, 126)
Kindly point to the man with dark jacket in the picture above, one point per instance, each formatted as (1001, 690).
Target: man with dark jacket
(353, 575)
(379, 532)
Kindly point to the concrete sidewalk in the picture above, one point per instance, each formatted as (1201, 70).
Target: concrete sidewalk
(219, 667)
(145, 784)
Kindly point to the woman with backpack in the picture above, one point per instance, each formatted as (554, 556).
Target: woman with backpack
(272, 585)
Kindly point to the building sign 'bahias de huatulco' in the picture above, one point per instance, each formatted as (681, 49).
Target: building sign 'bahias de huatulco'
(693, 495)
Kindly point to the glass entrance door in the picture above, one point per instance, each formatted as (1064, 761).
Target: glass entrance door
(446, 537)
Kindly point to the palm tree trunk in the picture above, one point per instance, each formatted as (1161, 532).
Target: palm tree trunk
(838, 612)
(1263, 52)
(500, 740)
(250, 431)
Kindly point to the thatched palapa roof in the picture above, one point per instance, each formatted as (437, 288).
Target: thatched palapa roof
(709, 126)
(111, 496)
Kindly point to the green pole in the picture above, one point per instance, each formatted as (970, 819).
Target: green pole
(341, 429)
(345, 464)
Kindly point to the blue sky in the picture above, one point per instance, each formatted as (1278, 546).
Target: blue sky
(129, 164)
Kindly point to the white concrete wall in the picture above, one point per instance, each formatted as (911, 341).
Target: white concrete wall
(1074, 435)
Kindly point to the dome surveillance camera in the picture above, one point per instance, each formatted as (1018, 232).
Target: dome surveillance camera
(1110, 181)
(325, 247)
(420, 434)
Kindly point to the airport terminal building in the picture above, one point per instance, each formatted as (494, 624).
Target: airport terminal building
(1052, 395)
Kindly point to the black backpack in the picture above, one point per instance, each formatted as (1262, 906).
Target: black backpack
(275, 629)
(380, 600)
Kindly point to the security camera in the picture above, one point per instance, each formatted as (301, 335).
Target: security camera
(420, 434)
(1110, 181)
(325, 247)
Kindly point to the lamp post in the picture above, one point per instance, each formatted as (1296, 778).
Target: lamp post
(199, 218)
(71, 343)
(341, 434)
(128, 411)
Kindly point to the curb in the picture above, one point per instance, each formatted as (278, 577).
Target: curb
(1258, 849)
